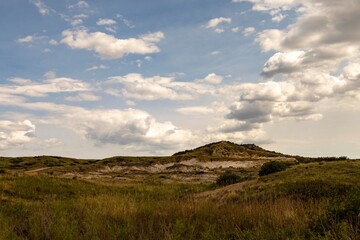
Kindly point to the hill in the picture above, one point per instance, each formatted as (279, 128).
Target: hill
(179, 196)
(319, 200)
(230, 150)
(202, 164)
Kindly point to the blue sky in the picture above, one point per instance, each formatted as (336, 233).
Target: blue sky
(89, 79)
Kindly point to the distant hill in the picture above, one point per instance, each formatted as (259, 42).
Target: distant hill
(230, 150)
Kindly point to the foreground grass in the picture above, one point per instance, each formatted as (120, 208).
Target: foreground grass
(312, 201)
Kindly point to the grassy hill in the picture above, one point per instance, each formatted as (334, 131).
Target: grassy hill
(316, 200)
(230, 150)
(222, 150)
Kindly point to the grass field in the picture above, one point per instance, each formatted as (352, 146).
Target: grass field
(307, 201)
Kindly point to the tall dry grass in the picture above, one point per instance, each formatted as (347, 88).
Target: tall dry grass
(112, 216)
(40, 207)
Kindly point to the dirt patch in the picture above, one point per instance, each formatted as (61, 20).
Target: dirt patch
(35, 171)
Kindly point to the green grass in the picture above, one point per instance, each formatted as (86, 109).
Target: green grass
(306, 201)
(28, 163)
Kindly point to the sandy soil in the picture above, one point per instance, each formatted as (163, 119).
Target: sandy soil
(191, 170)
(192, 165)
(34, 171)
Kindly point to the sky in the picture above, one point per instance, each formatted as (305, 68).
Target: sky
(94, 79)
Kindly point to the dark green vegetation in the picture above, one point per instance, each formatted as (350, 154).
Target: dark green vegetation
(227, 178)
(317, 200)
(272, 167)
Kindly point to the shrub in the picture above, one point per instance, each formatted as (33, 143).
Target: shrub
(272, 167)
(2, 171)
(227, 178)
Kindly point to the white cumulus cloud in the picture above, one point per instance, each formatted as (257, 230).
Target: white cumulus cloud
(15, 134)
(316, 60)
(109, 47)
(212, 78)
(26, 87)
(151, 88)
(213, 23)
(26, 39)
(105, 21)
(43, 9)
(248, 31)
(137, 86)
(94, 68)
(124, 127)
(79, 5)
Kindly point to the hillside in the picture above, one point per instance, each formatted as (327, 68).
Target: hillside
(180, 197)
(230, 150)
(310, 180)
(202, 164)
(318, 200)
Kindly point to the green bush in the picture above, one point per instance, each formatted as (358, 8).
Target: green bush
(227, 178)
(272, 167)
